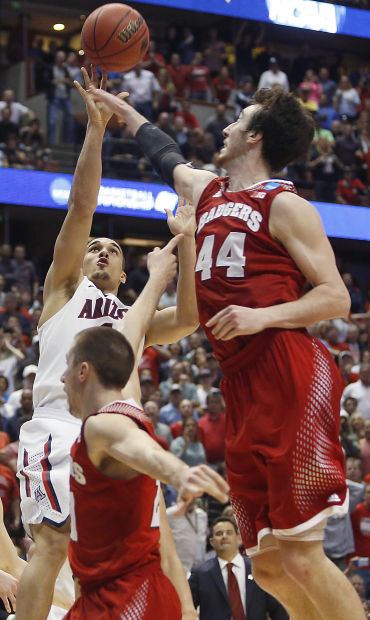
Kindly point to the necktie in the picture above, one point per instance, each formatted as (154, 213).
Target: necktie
(234, 594)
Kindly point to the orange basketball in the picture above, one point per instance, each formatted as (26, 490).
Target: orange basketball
(115, 37)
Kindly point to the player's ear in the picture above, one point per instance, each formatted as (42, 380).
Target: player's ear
(84, 372)
(123, 277)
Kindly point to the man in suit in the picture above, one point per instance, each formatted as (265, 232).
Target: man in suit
(224, 596)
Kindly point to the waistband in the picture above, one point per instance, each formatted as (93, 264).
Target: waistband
(55, 414)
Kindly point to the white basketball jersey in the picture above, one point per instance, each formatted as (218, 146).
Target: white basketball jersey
(88, 307)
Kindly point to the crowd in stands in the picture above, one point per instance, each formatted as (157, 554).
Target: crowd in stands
(181, 395)
(182, 70)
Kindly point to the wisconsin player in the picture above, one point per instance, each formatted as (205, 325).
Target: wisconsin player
(118, 513)
(80, 291)
(257, 244)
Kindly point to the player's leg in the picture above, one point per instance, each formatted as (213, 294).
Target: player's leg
(36, 587)
(325, 585)
(270, 576)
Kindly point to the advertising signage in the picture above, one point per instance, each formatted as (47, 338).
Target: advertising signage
(148, 200)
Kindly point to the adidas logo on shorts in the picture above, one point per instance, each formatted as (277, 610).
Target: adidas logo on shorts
(334, 498)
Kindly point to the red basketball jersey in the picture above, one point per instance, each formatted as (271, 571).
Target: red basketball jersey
(114, 522)
(238, 261)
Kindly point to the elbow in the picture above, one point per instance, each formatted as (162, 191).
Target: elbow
(342, 303)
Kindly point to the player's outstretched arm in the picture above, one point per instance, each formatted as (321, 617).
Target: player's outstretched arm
(295, 223)
(120, 438)
(172, 567)
(172, 324)
(163, 152)
(162, 267)
(65, 271)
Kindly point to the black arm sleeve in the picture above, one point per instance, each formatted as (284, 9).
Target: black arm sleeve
(163, 152)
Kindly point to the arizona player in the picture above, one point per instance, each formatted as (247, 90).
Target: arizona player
(257, 243)
(118, 513)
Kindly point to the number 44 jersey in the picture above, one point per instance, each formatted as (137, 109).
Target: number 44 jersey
(114, 522)
(238, 261)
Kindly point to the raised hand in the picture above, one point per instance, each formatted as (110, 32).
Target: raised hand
(163, 263)
(195, 481)
(184, 219)
(99, 113)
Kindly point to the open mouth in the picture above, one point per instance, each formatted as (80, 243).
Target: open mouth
(102, 262)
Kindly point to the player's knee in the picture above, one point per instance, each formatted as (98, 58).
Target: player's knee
(297, 564)
(52, 543)
(266, 573)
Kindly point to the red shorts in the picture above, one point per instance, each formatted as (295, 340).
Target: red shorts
(284, 460)
(132, 597)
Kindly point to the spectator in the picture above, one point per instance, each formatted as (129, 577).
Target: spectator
(153, 61)
(356, 427)
(198, 78)
(186, 47)
(18, 111)
(212, 428)
(23, 414)
(176, 371)
(169, 297)
(325, 167)
(181, 131)
(138, 277)
(151, 359)
(217, 123)
(336, 128)
(9, 358)
(166, 99)
(28, 376)
(361, 532)
(349, 406)
(25, 277)
(191, 121)
(186, 409)
(205, 385)
(151, 409)
(12, 307)
(350, 188)
(7, 127)
(144, 90)
(73, 67)
(244, 62)
(178, 73)
(311, 80)
(273, 76)
(244, 96)
(350, 448)
(59, 100)
(347, 99)
(326, 113)
(147, 387)
(304, 99)
(32, 135)
(360, 390)
(190, 534)
(164, 123)
(222, 86)
(15, 153)
(187, 446)
(353, 470)
(328, 86)
(215, 54)
(211, 582)
(365, 449)
(348, 147)
(359, 585)
(6, 266)
(170, 413)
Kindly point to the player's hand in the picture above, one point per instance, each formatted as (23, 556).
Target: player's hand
(184, 219)
(8, 590)
(235, 321)
(194, 481)
(162, 263)
(99, 113)
(113, 103)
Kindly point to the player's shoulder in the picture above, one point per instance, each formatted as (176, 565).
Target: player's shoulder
(101, 428)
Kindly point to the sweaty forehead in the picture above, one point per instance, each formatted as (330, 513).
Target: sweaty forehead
(103, 241)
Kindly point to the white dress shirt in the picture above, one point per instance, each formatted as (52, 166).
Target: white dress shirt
(239, 572)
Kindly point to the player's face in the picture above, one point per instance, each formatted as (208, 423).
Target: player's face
(235, 137)
(225, 539)
(71, 384)
(103, 264)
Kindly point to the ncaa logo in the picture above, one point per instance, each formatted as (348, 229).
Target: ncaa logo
(59, 190)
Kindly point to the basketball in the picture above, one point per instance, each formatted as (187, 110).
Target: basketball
(115, 37)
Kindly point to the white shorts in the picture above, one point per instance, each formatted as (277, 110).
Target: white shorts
(44, 464)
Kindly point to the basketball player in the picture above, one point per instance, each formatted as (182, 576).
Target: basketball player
(118, 514)
(257, 244)
(80, 291)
